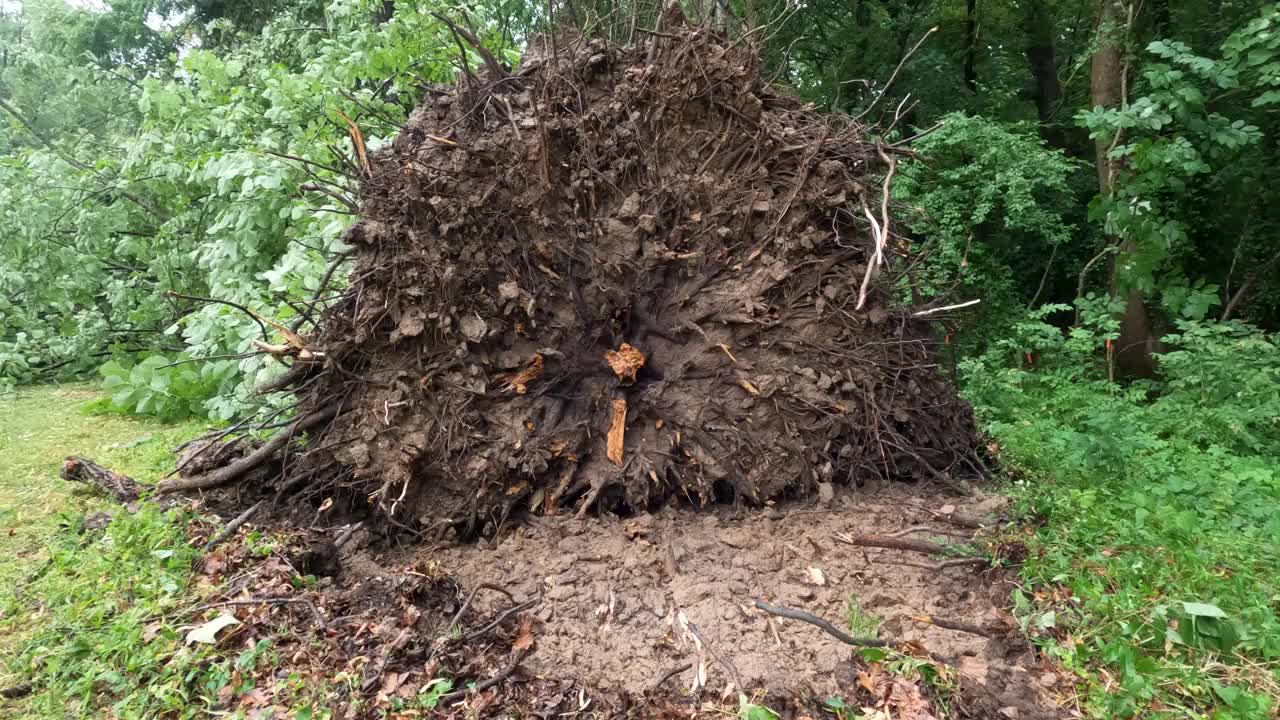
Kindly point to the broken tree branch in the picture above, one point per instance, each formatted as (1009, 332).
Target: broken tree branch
(122, 488)
(232, 526)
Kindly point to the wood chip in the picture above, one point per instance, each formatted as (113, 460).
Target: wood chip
(626, 361)
(617, 431)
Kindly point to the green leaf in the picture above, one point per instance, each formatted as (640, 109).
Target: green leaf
(1197, 609)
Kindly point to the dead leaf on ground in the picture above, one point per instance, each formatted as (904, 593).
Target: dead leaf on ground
(524, 636)
(208, 632)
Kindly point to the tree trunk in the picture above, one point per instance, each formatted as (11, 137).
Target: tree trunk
(1042, 59)
(1106, 79)
(1137, 342)
(971, 40)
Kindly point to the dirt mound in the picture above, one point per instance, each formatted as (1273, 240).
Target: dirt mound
(618, 594)
(616, 276)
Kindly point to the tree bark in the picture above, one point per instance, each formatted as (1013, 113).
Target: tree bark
(1042, 59)
(1107, 86)
(1106, 78)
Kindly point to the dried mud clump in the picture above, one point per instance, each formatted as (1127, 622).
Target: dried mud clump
(617, 276)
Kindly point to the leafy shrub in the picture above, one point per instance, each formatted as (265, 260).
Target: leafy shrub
(989, 201)
(1160, 501)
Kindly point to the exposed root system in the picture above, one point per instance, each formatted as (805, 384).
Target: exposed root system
(617, 276)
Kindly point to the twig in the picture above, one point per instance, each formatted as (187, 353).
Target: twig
(663, 678)
(957, 306)
(233, 526)
(348, 202)
(894, 76)
(733, 671)
(488, 683)
(501, 617)
(818, 622)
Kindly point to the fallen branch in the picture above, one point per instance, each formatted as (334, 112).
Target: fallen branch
(935, 566)
(818, 622)
(232, 526)
(486, 684)
(226, 474)
(893, 543)
(122, 488)
(956, 625)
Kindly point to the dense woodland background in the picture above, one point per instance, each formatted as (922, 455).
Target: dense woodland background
(1102, 174)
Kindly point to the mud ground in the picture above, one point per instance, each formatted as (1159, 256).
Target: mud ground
(618, 595)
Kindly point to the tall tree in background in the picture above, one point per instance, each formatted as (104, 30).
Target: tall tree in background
(1108, 74)
(1043, 62)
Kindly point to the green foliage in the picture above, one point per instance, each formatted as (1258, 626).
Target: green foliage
(197, 183)
(1196, 128)
(861, 623)
(1161, 507)
(167, 389)
(991, 201)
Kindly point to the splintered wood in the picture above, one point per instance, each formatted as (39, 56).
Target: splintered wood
(617, 430)
(519, 382)
(626, 361)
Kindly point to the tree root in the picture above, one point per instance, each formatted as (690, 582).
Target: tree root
(488, 683)
(818, 622)
(226, 474)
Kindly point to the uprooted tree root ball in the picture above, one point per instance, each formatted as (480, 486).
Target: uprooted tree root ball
(616, 276)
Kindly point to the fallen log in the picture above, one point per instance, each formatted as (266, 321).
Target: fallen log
(122, 488)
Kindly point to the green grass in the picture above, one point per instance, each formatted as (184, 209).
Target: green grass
(861, 623)
(64, 603)
(38, 429)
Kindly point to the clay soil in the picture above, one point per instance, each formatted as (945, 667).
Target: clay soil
(610, 602)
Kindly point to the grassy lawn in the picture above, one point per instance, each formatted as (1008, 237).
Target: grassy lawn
(38, 429)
